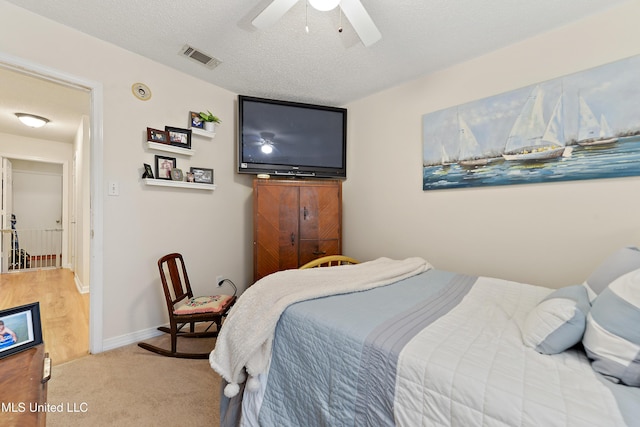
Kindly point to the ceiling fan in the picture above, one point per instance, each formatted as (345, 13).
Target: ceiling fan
(353, 10)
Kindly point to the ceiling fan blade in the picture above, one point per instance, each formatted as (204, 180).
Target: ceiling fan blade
(361, 21)
(272, 13)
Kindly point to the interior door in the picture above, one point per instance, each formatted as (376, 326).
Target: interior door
(37, 200)
(6, 211)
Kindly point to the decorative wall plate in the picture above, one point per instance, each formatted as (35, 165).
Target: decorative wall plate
(141, 91)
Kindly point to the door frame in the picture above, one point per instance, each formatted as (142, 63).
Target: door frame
(6, 246)
(96, 257)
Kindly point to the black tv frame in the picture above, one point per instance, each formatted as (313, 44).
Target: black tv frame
(290, 170)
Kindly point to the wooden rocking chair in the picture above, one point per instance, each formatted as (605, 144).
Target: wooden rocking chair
(184, 309)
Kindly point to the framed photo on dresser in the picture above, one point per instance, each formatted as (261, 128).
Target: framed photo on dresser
(20, 329)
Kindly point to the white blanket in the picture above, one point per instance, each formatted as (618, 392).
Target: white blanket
(470, 368)
(245, 339)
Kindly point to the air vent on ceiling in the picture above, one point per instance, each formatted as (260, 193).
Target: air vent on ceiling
(200, 57)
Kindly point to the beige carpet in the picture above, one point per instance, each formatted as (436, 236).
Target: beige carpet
(130, 386)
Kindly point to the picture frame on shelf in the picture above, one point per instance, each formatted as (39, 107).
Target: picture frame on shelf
(157, 135)
(148, 172)
(202, 175)
(176, 174)
(20, 329)
(164, 165)
(179, 137)
(190, 177)
(195, 121)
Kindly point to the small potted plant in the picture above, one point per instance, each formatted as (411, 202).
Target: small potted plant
(209, 120)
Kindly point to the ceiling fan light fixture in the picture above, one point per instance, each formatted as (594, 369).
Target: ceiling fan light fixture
(32, 120)
(324, 5)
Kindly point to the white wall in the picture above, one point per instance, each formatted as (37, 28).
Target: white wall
(547, 234)
(211, 229)
(14, 146)
(37, 194)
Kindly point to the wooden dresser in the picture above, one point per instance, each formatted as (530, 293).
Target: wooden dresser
(23, 395)
(294, 222)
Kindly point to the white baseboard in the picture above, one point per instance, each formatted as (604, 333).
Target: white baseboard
(132, 338)
(81, 288)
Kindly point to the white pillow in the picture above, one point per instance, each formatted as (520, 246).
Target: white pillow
(558, 321)
(620, 262)
(612, 337)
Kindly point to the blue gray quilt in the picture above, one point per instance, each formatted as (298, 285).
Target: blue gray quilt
(438, 348)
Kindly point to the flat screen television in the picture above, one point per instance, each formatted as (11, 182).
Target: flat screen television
(291, 139)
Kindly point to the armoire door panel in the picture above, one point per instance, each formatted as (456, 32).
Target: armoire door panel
(275, 222)
(320, 212)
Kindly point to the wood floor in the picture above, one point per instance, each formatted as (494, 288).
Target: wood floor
(64, 311)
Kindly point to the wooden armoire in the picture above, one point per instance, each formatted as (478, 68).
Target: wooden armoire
(294, 222)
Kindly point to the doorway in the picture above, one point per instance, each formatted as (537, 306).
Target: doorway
(32, 216)
(82, 177)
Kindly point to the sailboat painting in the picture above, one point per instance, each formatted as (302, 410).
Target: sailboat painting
(580, 126)
(592, 131)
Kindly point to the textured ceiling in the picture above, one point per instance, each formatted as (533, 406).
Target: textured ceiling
(323, 66)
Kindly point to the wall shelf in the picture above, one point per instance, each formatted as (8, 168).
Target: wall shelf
(179, 184)
(170, 148)
(202, 132)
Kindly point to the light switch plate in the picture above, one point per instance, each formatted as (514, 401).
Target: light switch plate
(114, 188)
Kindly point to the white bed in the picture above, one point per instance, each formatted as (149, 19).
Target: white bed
(422, 347)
